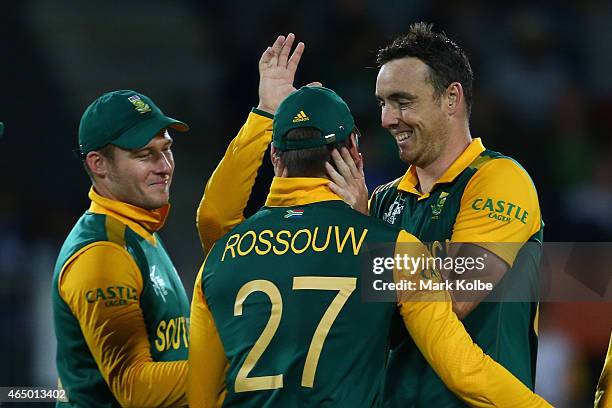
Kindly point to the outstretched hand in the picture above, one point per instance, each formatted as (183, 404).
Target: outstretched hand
(277, 72)
(348, 181)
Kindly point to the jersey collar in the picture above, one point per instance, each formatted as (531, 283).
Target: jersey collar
(410, 180)
(292, 191)
(143, 222)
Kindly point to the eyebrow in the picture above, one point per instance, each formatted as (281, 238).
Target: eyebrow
(136, 152)
(399, 95)
(145, 149)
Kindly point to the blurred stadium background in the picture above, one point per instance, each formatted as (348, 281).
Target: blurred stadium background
(543, 94)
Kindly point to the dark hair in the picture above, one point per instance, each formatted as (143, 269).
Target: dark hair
(308, 162)
(107, 151)
(447, 62)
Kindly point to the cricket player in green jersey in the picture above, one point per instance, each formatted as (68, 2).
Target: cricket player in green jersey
(120, 310)
(277, 318)
(455, 191)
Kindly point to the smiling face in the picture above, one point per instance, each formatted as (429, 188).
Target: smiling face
(141, 177)
(411, 112)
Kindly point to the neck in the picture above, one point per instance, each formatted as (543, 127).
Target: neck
(317, 175)
(104, 191)
(429, 174)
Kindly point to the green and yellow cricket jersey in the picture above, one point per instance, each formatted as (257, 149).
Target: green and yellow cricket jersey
(278, 321)
(483, 198)
(120, 311)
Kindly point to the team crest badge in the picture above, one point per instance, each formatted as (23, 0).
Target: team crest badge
(139, 104)
(159, 286)
(395, 209)
(436, 208)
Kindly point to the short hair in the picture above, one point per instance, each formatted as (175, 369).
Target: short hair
(447, 62)
(108, 151)
(308, 162)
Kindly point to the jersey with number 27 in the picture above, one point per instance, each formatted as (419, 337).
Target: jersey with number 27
(283, 290)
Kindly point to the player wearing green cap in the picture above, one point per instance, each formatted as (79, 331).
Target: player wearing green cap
(120, 309)
(277, 317)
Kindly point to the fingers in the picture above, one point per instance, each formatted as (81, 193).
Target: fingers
(276, 49)
(335, 176)
(266, 56)
(295, 57)
(334, 187)
(342, 165)
(315, 84)
(278, 53)
(342, 193)
(360, 165)
(350, 162)
(353, 191)
(284, 51)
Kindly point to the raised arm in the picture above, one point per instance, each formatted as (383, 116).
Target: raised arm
(228, 189)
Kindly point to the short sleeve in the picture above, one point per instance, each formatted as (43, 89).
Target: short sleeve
(499, 206)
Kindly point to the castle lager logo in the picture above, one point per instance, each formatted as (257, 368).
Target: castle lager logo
(501, 210)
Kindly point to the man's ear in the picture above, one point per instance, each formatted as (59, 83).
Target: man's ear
(279, 168)
(454, 98)
(98, 164)
(273, 154)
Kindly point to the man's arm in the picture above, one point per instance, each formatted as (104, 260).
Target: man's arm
(495, 218)
(494, 269)
(442, 339)
(228, 189)
(116, 334)
(207, 362)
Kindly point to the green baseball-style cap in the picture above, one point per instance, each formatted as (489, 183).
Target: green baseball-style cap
(125, 118)
(316, 107)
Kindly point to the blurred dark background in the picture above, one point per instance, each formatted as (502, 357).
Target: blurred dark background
(543, 95)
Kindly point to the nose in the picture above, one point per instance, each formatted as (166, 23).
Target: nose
(388, 117)
(165, 163)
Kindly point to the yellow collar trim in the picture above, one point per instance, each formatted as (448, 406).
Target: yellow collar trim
(143, 222)
(291, 191)
(410, 180)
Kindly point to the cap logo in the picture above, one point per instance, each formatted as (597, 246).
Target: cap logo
(140, 106)
(300, 117)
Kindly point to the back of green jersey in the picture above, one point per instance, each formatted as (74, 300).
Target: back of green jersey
(284, 291)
